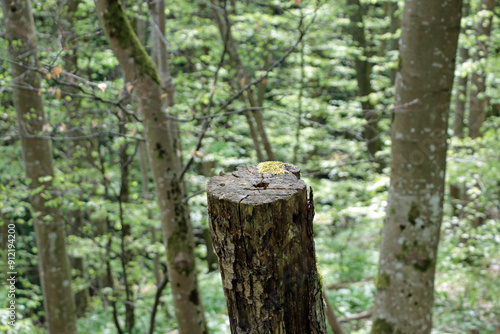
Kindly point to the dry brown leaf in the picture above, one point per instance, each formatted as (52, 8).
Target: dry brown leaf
(129, 87)
(56, 71)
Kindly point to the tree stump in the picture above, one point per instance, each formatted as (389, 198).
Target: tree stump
(261, 223)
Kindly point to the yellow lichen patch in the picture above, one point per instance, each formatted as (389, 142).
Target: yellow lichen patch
(273, 167)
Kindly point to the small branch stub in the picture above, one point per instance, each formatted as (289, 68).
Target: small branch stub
(261, 224)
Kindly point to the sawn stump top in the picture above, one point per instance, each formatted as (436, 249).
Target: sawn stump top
(249, 186)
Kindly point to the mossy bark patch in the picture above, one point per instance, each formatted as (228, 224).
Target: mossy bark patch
(382, 281)
(414, 213)
(382, 326)
(120, 29)
(422, 264)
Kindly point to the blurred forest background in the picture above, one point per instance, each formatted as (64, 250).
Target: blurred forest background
(305, 82)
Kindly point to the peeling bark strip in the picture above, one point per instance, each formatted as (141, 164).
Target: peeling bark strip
(262, 228)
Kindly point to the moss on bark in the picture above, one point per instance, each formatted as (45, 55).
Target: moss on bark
(382, 326)
(120, 28)
(382, 281)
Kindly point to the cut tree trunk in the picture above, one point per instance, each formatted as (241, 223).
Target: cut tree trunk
(262, 229)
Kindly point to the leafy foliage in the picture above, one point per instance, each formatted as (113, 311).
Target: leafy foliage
(311, 111)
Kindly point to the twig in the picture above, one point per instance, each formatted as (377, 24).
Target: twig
(199, 192)
(159, 290)
(332, 319)
(206, 123)
(359, 316)
(94, 135)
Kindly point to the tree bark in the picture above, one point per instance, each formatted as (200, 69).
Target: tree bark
(363, 72)
(140, 69)
(478, 99)
(405, 280)
(37, 157)
(163, 64)
(262, 229)
(142, 36)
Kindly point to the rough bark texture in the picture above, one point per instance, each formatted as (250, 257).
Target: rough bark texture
(363, 72)
(405, 280)
(478, 99)
(262, 228)
(140, 69)
(37, 157)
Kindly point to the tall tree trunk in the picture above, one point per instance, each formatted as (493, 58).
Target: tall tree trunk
(142, 36)
(478, 99)
(162, 61)
(177, 231)
(462, 81)
(363, 72)
(242, 76)
(405, 280)
(37, 156)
